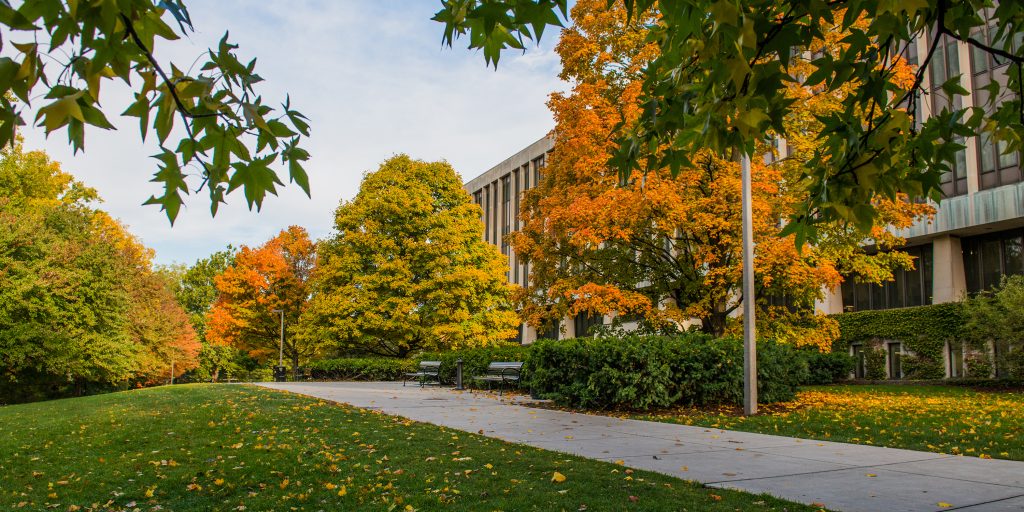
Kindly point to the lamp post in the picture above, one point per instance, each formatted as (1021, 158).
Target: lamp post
(279, 369)
(749, 340)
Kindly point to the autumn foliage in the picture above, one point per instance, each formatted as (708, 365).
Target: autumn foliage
(80, 302)
(408, 269)
(666, 245)
(261, 280)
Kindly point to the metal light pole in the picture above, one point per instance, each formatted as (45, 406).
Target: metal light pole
(749, 341)
(279, 370)
(280, 352)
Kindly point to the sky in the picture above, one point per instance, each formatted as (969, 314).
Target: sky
(374, 81)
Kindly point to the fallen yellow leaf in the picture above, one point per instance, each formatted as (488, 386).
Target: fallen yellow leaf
(557, 477)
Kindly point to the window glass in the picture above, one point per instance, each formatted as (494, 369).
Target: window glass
(990, 268)
(960, 166)
(903, 293)
(913, 277)
(863, 297)
(938, 71)
(1006, 159)
(1013, 255)
(877, 297)
(895, 366)
(988, 154)
(952, 59)
(847, 289)
(926, 264)
(858, 359)
(956, 360)
(971, 267)
(894, 293)
(979, 58)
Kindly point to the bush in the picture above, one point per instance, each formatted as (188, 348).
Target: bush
(641, 372)
(475, 361)
(827, 368)
(367, 368)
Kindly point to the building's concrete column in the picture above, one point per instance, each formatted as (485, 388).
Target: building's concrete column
(949, 282)
(529, 334)
(831, 303)
(568, 328)
(971, 153)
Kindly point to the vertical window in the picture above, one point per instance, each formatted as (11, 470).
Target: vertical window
(859, 366)
(997, 167)
(517, 194)
(944, 66)
(506, 210)
(895, 360)
(955, 355)
(486, 214)
(583, 322)
(954, 181)
(538, 164)
(988, 258)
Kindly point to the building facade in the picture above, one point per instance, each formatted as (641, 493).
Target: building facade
(498, 192)
(975, 238)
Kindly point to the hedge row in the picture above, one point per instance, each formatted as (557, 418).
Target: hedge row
(827, 367)
(641, 372)
(369, 369)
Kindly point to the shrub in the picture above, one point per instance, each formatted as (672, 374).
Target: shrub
(366, 368)
(475, 361)
(641, 372)
(827, 367)
(874, 363)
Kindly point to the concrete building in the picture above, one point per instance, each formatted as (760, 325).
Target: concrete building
(975, 238)
(498, 191)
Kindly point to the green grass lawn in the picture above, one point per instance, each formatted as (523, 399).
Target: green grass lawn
(942, 419)
(233, 447)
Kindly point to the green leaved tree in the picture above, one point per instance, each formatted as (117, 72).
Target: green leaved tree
(408, 268)
(58, 55)
(80, 304)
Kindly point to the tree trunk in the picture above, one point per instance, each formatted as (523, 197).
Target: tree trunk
(714, 324)
(295, 365)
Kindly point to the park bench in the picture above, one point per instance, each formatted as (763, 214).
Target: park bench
(501, 372)
(429, 370)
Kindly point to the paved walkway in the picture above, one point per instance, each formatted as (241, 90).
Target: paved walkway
(842, 476)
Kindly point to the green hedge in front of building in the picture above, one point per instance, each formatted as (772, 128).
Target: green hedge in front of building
(923, 331)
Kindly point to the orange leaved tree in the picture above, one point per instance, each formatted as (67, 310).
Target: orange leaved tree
(666, 246)
(260, 282)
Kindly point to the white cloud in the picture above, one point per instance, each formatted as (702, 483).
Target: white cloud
(374, 81)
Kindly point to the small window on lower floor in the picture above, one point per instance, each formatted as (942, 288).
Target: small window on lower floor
(955, 356)
(859, 363)
(895, 361)
(1001, 357)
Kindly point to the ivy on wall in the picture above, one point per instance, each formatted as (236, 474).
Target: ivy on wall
(923, 330)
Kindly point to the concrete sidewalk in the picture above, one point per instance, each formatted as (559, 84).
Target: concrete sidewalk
(842, 476)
